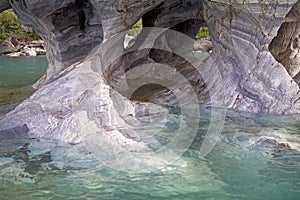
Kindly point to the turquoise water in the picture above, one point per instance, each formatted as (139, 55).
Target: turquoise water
(241, 166)
(17, 74)
(257, 157)
(21, 71)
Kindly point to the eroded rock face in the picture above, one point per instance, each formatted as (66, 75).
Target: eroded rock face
(70, 28)
(241, 33)
(78, 100)
(286, 45)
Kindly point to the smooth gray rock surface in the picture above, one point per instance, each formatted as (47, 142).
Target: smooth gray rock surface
(4, 5)
(84, 95)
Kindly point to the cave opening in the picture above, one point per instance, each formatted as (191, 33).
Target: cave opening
(143, 93)
(133, 57)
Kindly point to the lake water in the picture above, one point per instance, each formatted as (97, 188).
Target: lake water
(257, 157)
(17, 74)
(21, 71)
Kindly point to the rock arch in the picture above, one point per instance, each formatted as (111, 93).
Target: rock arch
(242, 34)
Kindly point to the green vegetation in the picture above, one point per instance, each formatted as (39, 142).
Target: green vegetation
(137, 27)
(9, 26)
(202, 33)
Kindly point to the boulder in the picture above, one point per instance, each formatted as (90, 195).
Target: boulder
(36, 44)
(203, 45)
(30, 53)
(40, 51)
(8, 46)
(34, 48)
(12, 47)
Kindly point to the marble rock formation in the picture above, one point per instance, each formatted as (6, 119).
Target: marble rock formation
(285, 46)
(242, 34)
(4, 5)
(254, 60)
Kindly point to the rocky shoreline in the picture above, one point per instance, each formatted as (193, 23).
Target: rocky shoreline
(13, 47)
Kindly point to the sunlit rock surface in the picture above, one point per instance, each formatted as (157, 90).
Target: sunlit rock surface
(81, 96)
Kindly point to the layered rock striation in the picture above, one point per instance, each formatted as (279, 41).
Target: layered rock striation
(242, 33)
(253, 66)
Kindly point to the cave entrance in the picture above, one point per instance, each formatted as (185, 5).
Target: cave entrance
(143, 93)
(134, 57)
